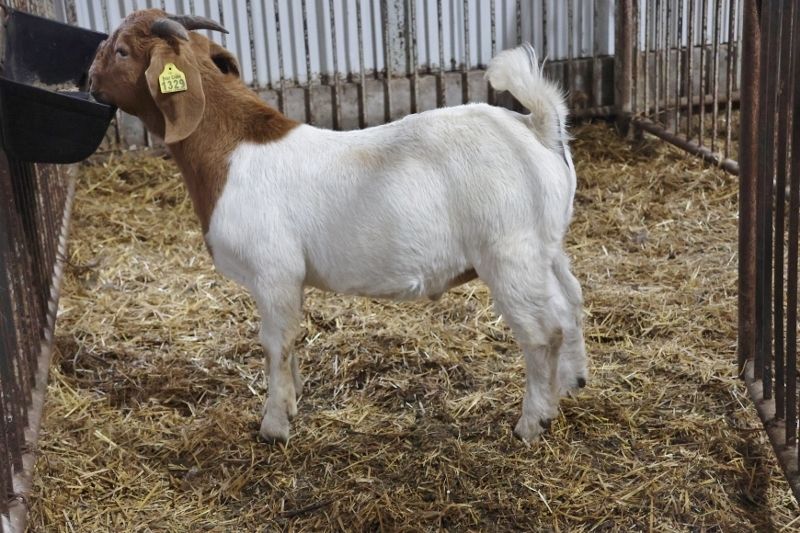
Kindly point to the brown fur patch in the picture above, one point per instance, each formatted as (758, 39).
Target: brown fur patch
(233, 113)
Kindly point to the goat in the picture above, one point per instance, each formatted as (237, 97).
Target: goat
(404, 210)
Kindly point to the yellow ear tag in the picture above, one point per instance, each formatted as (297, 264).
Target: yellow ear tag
(171, 80)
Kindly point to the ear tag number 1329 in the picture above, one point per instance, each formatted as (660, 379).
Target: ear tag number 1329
(171, 80)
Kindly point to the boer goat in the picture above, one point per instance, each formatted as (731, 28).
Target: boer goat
(404, 210)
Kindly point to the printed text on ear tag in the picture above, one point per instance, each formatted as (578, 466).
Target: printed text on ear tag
(171, 80)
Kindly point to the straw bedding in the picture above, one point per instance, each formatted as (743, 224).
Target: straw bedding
(406, 420)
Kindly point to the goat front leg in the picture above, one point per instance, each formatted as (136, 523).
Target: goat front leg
(280, 315)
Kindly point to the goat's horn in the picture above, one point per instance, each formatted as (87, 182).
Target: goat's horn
(193, 22)
(167, 29)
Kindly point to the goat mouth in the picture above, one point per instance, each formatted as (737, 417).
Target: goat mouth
(97, 96)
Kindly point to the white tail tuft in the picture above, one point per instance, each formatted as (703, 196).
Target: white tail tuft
(518, 71)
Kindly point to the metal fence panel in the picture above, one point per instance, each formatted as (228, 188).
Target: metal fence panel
(687, 74)
(769, 205)
(34, 210)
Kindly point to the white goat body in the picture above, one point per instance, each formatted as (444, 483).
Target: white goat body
(402, 210)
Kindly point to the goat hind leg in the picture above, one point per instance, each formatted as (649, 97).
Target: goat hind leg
(572, 366)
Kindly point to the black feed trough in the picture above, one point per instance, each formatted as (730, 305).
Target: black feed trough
(46, 113)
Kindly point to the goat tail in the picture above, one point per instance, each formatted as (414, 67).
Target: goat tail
(518, 71)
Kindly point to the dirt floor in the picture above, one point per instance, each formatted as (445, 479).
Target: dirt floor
(407, 417)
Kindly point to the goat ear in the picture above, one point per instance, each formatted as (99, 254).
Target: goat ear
(182, 110)
(224, 60)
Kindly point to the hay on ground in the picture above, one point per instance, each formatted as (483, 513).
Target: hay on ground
(406, 420)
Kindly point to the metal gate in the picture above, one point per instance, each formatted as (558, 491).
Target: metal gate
(769, 212)
(685, 71)
(35, 203)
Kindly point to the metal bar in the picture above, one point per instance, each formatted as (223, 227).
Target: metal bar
(387, 59)
(690, 68)
(518, 19)
(441, 99)
(668, 54)
(491, 95)
(678, 47)
(704, 25)
(252, 42)
(336, 100)
(763, 199)
(596, 81)
(729, 76)
(659, 58)
(693, 148)
(623, 64)
(794, 230)
(307, 50)
(784, 108)
(224, 36)
(715, 75)
(545, 49)
(281, 75)
(636, 97)
(413, 55)
(466, 62)
(570, 82)
(362, 77)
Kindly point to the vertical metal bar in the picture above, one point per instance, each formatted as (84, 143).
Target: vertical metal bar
(649, 37)
(545, 49)
(703, 73)
(491, 96)
(251, 40)
(362, 77)
(770, 23)
(414, 59)
(715, 76)
(281, 75)
(387, 59)
(518, 15)
(307, 49)
(784, 108)
(794, 214)
(570, 82)
(623, 63)
(441, 100)
(465, 63)
(668, 54)
(658, 59)
(336, 100)
(635, 65)
(596, 76)
(222, 23)
(729, 77)
(678, 48)
(690, 71)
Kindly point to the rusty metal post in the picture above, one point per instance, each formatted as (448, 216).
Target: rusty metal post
(748, 141)
(623, 64)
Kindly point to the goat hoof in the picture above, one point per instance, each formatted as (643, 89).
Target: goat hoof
(527, 431)
(546, 423)
(581, 383)
(274, 429)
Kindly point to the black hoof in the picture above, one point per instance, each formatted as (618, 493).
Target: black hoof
(546, 423)
(581, 383)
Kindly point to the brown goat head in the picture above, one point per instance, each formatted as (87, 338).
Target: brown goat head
(126, 70)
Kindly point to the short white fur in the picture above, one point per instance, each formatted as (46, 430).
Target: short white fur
(399, 211)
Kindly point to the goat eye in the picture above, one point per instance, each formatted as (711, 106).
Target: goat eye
(121, 52)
